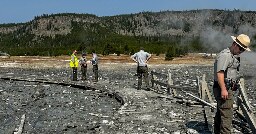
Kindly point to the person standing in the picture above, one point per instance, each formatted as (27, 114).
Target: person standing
(83, 64)
(141, 58)
(94, 62)
(226, 77)
(74, 64)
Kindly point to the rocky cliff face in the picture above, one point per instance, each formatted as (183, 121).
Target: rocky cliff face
(189, 22)
(168, 23)
(9, 29)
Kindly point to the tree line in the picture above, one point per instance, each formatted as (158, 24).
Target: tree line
(103, 39)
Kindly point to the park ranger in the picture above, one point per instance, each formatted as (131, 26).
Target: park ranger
(142, 58)
(226, 67)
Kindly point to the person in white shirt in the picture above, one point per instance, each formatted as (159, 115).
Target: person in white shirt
(94, 62)
(142, 58)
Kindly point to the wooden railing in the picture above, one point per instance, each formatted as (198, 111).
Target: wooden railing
(242, 106)
(165, 82)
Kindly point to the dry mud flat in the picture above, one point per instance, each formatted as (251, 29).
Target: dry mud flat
(51, 108)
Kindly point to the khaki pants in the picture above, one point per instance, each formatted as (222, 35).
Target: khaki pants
(224, 115)
(142, 71)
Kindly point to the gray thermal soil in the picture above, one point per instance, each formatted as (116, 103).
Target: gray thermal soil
(112, 105)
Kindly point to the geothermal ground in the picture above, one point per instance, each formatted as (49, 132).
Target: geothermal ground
(34, 86)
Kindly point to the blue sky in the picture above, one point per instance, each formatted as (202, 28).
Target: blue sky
(16, 11)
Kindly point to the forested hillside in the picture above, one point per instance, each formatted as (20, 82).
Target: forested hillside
(172, 32)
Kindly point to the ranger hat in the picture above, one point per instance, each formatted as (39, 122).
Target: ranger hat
(243, 41)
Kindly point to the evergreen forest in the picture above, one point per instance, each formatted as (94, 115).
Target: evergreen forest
(60, 34)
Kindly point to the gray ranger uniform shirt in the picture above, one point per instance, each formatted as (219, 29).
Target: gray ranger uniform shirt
(141, 57)
(227, 62)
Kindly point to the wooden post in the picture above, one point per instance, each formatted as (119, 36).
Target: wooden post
(245, 107)
(205, 90)
(203, 87)
(170, 83)
(199, 87)
(152, 78)
(21, 124)
(208, 92)
(244, 95)
(248, 115)
(205, 103)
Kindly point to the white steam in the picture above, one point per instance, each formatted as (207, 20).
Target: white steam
(248, 58)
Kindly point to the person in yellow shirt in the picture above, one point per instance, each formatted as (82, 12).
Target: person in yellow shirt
(74, 65)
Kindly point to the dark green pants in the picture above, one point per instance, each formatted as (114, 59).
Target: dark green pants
(142, 71)
(84, 72)
(95, 71)
(74, 73)
(224, 115)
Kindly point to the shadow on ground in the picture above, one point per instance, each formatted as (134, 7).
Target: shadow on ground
(197, 127)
